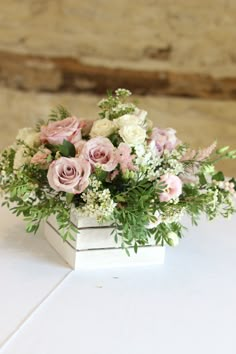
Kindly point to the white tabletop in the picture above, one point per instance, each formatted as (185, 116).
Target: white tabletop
(186, 306)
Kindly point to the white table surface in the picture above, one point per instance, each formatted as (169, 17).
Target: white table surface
(186, 306)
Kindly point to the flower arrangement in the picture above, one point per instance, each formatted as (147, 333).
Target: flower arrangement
(118, 168)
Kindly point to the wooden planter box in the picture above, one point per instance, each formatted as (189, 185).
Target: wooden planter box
(95, 247)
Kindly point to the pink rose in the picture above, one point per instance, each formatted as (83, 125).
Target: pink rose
(164, 139)
(79, 147)
(125, 158)
(40, 158)
(112, 175)
(86, 126)
(69, 175)
(101, 152)
(173, 187)
(56, 132)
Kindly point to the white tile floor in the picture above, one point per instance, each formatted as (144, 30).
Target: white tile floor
(186, 306)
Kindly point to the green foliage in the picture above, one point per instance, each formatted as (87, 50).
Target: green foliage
(202, 179)
(211, 201)
(131, 198)
(222, 150)
(115, 139)
(27, 193)
(59, 113)
(115, 106)
(6, 163)
(39, 124)
(69, 198)
(219, 176)
(136, 206)
(223, 154)
(100, 174)
(67, 149)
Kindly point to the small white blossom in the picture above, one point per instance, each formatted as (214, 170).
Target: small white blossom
(29, 136)
(98, 202)
(21, 158)
(123, 92)
(225, 185)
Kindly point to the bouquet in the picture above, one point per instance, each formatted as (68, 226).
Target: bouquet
(118, 168)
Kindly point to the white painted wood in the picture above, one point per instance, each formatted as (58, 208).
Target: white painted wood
(89, 236)
(95, 247)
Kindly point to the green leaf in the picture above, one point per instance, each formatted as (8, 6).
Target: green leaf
(219, 176)
(69, 197)
(100, 174)
(231, 154)
(202, 179)
(67, 149)
(222, 150)
(120, 198)
(59, 113)
(127, 252)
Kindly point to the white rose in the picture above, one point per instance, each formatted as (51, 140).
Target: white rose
(137, 118)
(102, 127)
(173, 239)
(133, 134)
(29, 136)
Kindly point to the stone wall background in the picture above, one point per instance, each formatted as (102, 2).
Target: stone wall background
(179, 57)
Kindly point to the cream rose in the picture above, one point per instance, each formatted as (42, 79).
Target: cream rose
(133, 134)
(137, 118)
(102, 127)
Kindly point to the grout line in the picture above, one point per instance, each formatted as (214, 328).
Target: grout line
(28, 317)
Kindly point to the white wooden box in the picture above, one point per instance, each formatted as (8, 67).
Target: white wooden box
(94, 246)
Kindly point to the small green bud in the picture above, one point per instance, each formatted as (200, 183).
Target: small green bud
(222, 150)
(231, 154)
(173, 239)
